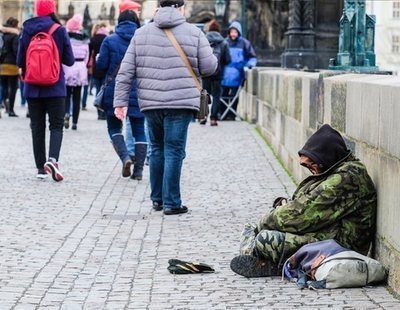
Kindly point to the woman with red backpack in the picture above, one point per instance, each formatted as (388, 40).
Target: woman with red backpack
(46, 99)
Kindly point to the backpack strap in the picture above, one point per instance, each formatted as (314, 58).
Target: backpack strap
(53, 28)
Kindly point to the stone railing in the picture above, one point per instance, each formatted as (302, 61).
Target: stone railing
(288, 106)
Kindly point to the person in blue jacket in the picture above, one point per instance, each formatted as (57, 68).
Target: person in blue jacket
(44, 100)
(111, 53)
(242, 56)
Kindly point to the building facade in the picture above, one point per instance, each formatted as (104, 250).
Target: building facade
(387, 33)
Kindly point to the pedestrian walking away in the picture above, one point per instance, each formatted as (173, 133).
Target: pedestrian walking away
(9, 74)
(99, 33)
(46, 99)
(213, 83)
(168, 95)
(76, 76)
(111, 53)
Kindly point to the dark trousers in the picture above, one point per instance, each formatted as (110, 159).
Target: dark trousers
(9, 85)
(38, 108)
(214, 88)
(73, 92)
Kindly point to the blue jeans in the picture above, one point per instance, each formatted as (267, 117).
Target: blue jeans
(167, 133)
(129, 139)
(114, 126)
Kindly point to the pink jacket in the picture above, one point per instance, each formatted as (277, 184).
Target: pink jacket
(77, 75)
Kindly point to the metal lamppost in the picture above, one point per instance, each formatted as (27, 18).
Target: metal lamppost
(220, 7)
(244, 18)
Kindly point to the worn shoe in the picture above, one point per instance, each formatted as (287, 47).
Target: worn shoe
(74, 127)
(252, 267)
(12, 114)
(51, 167)
(66, 121)
(213, 122)
(157, 206)
(170, 211)
(203, 121)
(41, 174)
(126, 168)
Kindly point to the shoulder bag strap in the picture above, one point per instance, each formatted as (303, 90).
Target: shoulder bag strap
(53, 28)
(181, 53)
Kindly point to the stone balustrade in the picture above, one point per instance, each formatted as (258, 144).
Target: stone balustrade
(288, 106)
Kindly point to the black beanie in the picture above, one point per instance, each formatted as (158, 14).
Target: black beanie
(325, 147)
(174, 3)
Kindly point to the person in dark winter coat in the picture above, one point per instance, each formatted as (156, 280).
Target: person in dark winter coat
(243, 56)
(100, 32)
(8, 60)
(338, 201)
(44, 100)
(168, 95)
(112, 52)
(213, 83)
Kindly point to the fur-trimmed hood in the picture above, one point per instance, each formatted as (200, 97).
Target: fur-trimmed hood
(5, 29)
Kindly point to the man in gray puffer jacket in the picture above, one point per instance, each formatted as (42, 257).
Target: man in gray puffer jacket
(167, 94)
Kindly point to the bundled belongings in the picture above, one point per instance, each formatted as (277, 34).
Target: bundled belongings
(326, 264)
(177, 266)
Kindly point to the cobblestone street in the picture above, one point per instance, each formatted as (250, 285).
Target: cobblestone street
(94, 242)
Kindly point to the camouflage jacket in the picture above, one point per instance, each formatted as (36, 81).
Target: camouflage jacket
(338, 204)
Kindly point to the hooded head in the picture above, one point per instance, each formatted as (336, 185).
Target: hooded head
(45, 7)
(74, 24)
(129, 16)
(325, 147)
(173, 3)
(129, 5)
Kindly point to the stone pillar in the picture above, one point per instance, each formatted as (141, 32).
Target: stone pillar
(300, 37)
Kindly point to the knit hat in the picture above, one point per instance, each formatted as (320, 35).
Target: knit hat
(214, 26)
(45, 7)
(174, 3)
(74, 24)
(129, 5)
(325, 147)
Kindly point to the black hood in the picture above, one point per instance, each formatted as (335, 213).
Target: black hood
(325, 147)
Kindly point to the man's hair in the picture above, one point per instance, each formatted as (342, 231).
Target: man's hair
(173, 3)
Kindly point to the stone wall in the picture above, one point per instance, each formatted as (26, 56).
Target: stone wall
(288, 106)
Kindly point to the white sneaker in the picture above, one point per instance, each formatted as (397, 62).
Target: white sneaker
(41, 174)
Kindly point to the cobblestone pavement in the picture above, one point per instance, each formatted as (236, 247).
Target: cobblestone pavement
(93, 241)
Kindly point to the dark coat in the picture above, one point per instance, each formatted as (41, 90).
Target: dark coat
(10, 47)
(94, 49)
(30, 28)
(112, 52)
(221, 51)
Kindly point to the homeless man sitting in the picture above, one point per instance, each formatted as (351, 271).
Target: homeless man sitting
(338, 201)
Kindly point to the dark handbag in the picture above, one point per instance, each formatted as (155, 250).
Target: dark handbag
(99, 99)
(205, 98)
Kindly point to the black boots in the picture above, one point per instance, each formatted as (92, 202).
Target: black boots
(120, 148)
(140, 157)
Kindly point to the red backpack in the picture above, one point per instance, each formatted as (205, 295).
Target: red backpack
(43, 59)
